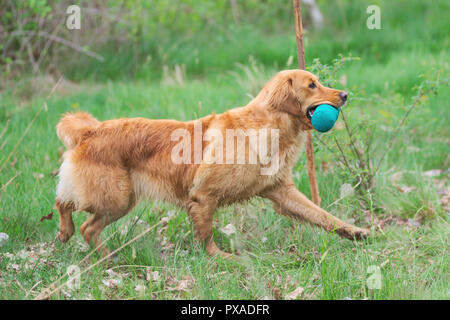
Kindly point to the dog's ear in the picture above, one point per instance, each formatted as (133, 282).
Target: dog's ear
(282, 97)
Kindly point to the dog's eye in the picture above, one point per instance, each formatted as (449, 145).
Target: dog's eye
(312, 85)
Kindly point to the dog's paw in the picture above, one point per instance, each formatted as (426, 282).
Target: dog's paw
(61, 237)
(361, 233)
(353, 233)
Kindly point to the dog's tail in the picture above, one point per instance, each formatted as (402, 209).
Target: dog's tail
(73, 128)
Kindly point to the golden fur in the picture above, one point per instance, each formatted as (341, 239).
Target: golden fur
(110, 165)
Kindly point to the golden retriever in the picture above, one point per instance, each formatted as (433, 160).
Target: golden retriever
(109, 166)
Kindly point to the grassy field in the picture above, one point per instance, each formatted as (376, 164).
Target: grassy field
(407, 208)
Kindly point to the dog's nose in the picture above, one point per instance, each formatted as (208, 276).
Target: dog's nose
(343, 95)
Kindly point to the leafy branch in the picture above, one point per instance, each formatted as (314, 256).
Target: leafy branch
(423, 89)
(356, 155)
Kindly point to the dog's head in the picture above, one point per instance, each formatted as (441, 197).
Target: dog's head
(299, 92)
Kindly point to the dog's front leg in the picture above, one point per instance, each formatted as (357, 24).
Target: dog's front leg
(289, 201)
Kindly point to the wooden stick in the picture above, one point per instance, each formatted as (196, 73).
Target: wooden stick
(301, 64)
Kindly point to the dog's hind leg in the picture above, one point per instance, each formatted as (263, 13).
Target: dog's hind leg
(106, 192)
(201, 211)
(66, 226)
(86, 224)
(93, 226)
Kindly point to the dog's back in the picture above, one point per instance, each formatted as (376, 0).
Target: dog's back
(110, 165)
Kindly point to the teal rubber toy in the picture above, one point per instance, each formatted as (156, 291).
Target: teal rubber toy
(324, 117)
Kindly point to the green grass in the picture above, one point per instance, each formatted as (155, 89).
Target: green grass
(413, 259)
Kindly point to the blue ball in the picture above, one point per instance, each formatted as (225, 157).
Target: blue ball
(324, 117)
